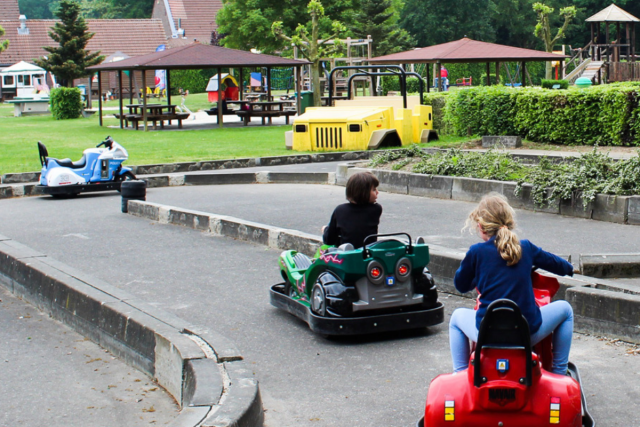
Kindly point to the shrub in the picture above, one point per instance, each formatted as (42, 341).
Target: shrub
(66, 103)
(549, 84)
(392, 83)
(604, 115)
(195, 81)
(437, 100)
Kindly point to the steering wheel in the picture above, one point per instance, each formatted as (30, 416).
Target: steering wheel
(108, 142)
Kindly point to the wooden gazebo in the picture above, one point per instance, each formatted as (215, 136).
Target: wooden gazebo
(192, 56)
(467, 50)
(612, 48)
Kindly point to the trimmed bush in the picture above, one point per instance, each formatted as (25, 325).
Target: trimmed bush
(390, 83)
(195, 81)
(549, 84)
(604, 115)
(437, 100)
(66, 103)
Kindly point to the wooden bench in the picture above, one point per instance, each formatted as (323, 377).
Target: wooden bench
(135, 119)
(246, 115)
(213, 113)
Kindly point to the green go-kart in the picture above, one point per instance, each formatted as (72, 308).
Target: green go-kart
(384, 286)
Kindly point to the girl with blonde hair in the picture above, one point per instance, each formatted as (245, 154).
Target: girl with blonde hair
(500, 267)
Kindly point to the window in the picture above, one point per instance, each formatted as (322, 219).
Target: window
(20, 79)
(8, 81)
(27, 80)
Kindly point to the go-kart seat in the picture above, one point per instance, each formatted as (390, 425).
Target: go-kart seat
(67, 163)
(503, 325)
(301, 261)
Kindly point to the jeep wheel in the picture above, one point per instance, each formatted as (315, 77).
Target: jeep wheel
(318, 300)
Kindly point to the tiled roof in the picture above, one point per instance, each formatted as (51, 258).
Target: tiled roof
(196, 17)
(466, 50)
(9, 10)
(197, 55)
(131, 36)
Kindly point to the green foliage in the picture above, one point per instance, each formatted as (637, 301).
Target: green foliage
(392, 84)
(195, 81)
(604, 115)
(483, 79)
(549, 84)
(4, 44)
(70, 59)
(66, 103)
(100, 9)
(37, 9)
(438, 100)
(376, 19)
(247, 23)
(587, 175)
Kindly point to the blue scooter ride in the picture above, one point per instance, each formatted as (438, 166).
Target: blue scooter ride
(99, 169)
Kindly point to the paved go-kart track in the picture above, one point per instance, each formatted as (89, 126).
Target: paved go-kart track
(222, 284)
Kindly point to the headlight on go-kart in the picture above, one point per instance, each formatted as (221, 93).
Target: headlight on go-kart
(375, 272)
(403, 269)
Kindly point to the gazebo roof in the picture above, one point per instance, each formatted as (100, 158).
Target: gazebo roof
(466, 50)
(195, 56)
(612, 14)
(23, 67)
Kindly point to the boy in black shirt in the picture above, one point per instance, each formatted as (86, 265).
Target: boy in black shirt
(352, 222)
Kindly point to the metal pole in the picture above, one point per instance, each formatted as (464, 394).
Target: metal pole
(100, 95)
(120, 98)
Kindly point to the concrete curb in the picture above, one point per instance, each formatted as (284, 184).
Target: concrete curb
(610, 265)
(608, 208)
(204, 372)
(617, 315)
(249, 162)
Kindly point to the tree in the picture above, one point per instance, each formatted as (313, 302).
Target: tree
(35, 9)
(377, 19)
(543, 28)
(311, 46)
(246, 24)
(100, 9)
(4, 44)
(70, 60)
(433, 22)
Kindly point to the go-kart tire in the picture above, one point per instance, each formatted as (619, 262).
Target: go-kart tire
(289, 290)
(133, 188)
(318, 300)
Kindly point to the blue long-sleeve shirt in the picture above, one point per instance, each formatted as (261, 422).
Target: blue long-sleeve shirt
(483, 268)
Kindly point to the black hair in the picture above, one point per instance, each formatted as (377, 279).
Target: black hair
(359, 187)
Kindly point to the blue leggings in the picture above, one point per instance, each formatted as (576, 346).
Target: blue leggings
(557, 317)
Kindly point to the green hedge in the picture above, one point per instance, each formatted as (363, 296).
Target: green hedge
(195, 81)
(438, 100)
(392, 83)
(66, 103)
(604, 115)
(549, 84)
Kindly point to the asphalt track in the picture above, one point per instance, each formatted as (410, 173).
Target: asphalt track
(306, 380)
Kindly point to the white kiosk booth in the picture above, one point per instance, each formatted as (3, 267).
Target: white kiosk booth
(27, 83)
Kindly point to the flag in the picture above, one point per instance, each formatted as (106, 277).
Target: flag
(161, 75)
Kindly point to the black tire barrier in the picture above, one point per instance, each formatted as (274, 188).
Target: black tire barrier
(133, 188)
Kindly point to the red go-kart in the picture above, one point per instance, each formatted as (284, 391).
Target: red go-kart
(509, 384)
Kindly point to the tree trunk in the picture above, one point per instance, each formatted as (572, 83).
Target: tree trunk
(315, 76)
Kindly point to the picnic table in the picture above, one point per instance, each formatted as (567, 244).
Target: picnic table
(155, 113)
(265, 110)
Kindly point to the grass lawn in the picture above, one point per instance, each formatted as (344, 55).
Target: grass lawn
(68, 138)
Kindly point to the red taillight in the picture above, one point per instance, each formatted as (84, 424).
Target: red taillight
(403, 269)
(376, 272)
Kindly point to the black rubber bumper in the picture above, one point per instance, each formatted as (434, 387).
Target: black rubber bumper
(79, 188)
(356, 325)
